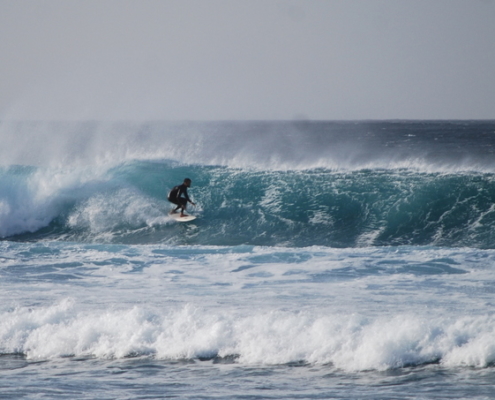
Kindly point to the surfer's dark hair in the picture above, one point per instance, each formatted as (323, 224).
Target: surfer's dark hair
(187, 180)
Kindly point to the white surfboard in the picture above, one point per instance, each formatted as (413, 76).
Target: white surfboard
(178, 218)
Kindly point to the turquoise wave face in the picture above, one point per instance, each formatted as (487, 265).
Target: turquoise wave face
(319, 207)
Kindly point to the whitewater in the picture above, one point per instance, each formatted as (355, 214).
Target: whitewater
(328, 260)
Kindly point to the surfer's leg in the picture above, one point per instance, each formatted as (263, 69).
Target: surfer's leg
(175, 203)
(183, 207)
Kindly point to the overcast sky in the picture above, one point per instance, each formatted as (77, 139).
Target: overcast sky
(247, 59)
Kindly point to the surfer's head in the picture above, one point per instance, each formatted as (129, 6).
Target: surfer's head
(187, 182)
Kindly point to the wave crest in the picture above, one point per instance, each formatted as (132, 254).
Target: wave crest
(127, 204)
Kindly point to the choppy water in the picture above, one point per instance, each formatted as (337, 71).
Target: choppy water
(328, 260)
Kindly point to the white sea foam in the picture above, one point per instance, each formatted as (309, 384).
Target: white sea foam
(348, 342)
(30, 200)
(103, 214)
(355, 309)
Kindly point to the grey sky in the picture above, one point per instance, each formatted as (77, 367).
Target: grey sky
(247, 59)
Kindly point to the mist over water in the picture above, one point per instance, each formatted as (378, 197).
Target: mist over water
(258, 145)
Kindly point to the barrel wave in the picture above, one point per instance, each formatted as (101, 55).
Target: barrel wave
(294, 208)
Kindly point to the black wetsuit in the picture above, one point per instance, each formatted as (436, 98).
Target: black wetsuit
(176, 195)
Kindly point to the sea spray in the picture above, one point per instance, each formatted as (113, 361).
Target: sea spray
(449, 146)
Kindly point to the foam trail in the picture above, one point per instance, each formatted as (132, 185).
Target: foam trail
(101, 215)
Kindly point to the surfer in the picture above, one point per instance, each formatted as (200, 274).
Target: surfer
(178, 195)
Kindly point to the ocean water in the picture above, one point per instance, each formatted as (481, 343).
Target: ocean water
(329, 260)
